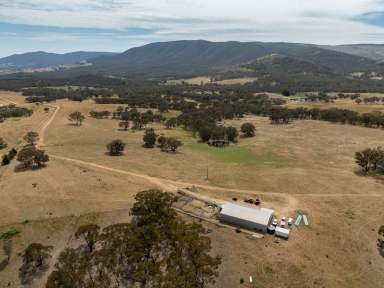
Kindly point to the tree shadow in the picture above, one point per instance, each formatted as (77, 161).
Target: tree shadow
(27, 273)
(74, 124)
(22, 168)
(113, 155)
(377, 175)
(7, 248)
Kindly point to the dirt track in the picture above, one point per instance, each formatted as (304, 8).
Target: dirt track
(173, 186)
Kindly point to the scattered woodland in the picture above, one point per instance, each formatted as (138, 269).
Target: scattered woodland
(236, 129)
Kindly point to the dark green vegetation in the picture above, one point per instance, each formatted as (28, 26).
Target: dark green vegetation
(158, 249)
(76, 118)
(3, 144)
(149, 138)
(281, 115)
(168, 144)
(116, 147)
(30, 156)
(12, 111)
(371, 160)
(52, 94)
(218, 135)
(9, 234)
(248, 130)
(8, 157)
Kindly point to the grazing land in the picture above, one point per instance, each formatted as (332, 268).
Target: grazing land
(339, 103)
(304, 166)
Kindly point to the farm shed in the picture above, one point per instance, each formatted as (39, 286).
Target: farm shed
(282, 232)
(249, 218)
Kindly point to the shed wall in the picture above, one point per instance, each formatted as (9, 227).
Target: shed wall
(243, 223)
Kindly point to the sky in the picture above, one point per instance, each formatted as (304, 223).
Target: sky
(117, 25)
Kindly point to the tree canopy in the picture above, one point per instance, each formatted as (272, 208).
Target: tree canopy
(158, 249)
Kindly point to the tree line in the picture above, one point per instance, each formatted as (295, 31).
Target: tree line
(12, 111)
(281, 115)
(46, 94)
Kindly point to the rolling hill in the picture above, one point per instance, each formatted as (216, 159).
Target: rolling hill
(370, 51)
(43, 59)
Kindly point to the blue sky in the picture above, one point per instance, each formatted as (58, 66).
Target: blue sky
(116, 25)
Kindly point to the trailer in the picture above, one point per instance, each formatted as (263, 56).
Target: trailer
(282, 233)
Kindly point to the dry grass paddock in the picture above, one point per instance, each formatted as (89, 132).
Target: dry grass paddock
(307, 166)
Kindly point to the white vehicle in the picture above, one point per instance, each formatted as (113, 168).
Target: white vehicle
(282, 223)
(290, 221)
(274, 222)
(283, 218)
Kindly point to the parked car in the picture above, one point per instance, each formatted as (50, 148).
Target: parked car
(271, 229)
(290, 221)
(282, 224)
(274, 222)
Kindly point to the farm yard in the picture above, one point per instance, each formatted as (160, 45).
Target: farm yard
(306, 166)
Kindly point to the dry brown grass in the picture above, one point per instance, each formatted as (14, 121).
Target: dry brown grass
(307, 165)
(340, 103)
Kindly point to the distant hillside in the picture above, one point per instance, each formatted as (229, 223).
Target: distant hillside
(370, 51)
(277, 63)
(44, 59)
(196, 57)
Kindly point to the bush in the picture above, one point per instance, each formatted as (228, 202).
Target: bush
(7, 158)
(5, 161)
(248, 130)
(3, 144)
(149, 138)
(116, 147)
(12, 153)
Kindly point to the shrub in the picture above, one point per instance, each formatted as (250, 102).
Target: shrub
(116, 147)
(7, 158)
(5, 161)
(3, 144)
(248, 130)
(149, 138)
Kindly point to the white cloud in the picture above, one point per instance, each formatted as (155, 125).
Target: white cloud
(309, 21)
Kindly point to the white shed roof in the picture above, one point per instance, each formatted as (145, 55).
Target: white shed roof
(255, 215)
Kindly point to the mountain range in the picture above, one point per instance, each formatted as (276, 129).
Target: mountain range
(198, 57)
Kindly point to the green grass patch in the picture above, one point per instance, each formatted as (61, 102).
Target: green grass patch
(268, 269)
(9, 234)
(241, 155)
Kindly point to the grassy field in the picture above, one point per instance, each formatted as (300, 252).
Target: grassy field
(240, 155)
(340, 103)
(307, 166)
